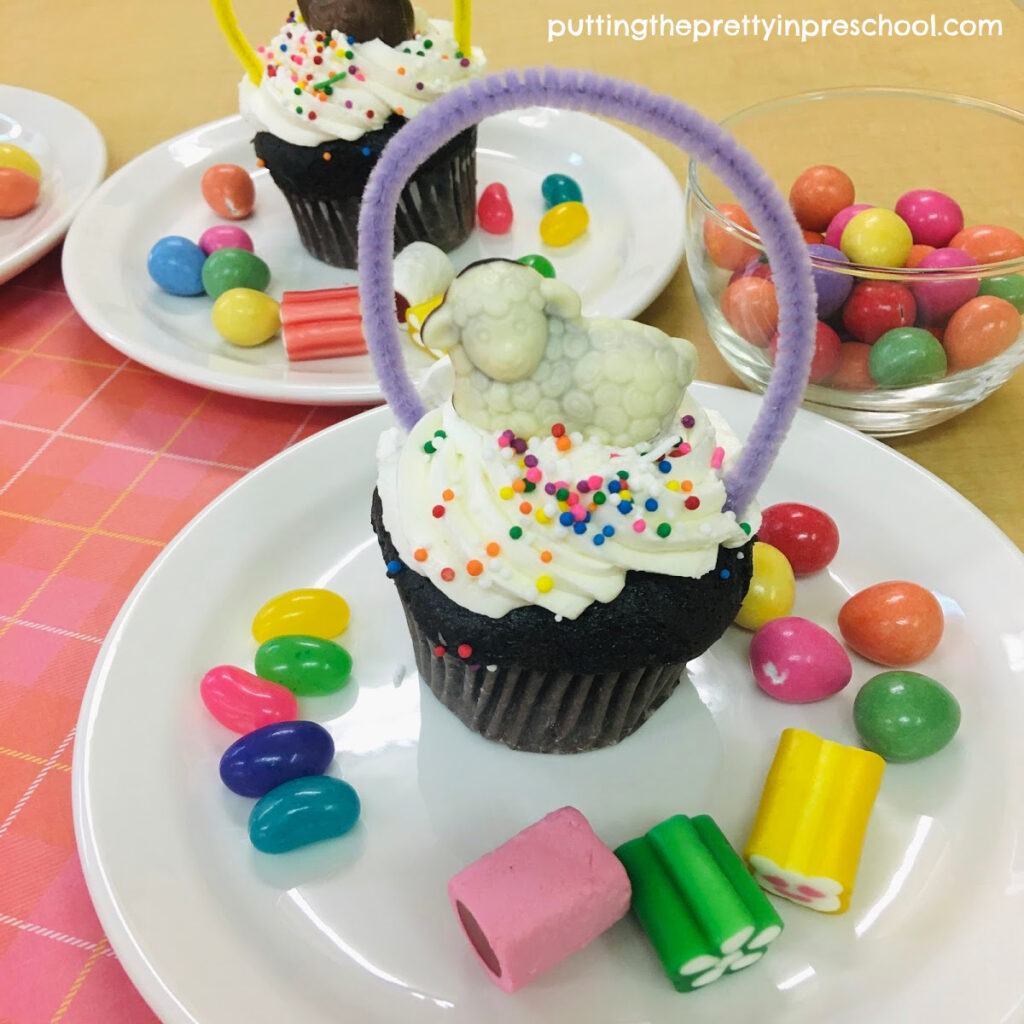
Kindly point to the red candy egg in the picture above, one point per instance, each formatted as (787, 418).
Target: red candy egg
(826, 355)
(804, 534)
(875, 307)
(494, 210)
(818, 195)
(752, 309)
(726, 249)
(229, 191)
(18, 192)
(894, 623)
(979, 330)
(989, 243)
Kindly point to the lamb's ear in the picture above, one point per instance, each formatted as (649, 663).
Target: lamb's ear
(559, 299)
(439, 331)
(689, 353)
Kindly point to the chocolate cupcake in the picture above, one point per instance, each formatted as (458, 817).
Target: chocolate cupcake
(339, 80)
(555, 529)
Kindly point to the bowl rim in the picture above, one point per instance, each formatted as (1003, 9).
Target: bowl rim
(985, 270)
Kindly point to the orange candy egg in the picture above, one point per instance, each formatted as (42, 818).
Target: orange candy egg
(979, 330)
(819, 194)
(894, 623)
(19, 192)
(752, 308)
(852, 374)
(989, 243)
(229, 191)
(726, 248)
(918, 253)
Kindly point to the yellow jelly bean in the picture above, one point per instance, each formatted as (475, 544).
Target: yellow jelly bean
(246, 317)
(310, 611)
(772, 588)
(20, 159)
(564, 223)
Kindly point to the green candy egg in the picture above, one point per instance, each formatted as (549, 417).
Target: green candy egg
(230, 268)
(1009, 287)
(906, 356)
(539, 263)
(301, 812)
(905, 716)
(307, 665)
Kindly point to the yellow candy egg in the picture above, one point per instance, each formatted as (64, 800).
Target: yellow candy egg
(564, 223)
(246, 317)
(20, 159)
(309, 611)
(877, 238)
(772, 588)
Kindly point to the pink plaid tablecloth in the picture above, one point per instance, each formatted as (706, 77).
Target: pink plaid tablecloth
(101, 462)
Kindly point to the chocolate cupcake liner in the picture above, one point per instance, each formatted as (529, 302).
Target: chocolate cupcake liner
(545, 712)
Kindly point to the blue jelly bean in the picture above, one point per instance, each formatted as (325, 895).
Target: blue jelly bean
(301, 812)
(274, 754)
(176, 265)
(558, 189)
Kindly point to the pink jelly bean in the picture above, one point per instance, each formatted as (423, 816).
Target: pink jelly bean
(933, 217)
(225, 236)
(494, 211)
(937, 300)
(796, 661)
(834, 231)
(241, 701)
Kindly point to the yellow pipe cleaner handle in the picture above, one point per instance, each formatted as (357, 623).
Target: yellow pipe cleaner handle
(463, 27)
(233, 34)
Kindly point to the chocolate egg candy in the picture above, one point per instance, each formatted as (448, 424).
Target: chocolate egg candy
(246, 317)
(301, 812)
(727, 247)
(772, 588)
(1009, 287)
(895, 623)
(20, 159)
(307, 665)
(989, 243)
(979, 330)
(818, 195)
(938, 297)
(877, 238)
(19, 192)
(905, 716)
(933, 217)
(851, 372)
(796, 661)
(834, 231)
(751, 307)
(225, 236)
(229, 190)
(391, 21)
(831, 286)
(176, 265)
(875, 307)
(905, 357)
(804, 534)
(233, 268)
(825, 360)
(274, 754)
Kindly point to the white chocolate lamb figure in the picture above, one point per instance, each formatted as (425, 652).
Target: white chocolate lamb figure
(525, 359)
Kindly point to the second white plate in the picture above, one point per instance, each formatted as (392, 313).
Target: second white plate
(631, 250)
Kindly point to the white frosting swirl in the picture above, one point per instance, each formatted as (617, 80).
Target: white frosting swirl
(468, 552)
(293, 103)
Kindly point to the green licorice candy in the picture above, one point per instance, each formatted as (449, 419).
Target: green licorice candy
(307, 665)
(1009, 287)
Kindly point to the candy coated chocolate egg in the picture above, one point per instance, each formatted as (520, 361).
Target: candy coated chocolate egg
(176, 265)
(242, 702)
(933, 217)
(274, 754)
(225, 236)
(905, 716)
(832, 287)
(894, 623)
(906, 356)
(539, 263)
(834, 231)
(19, 192)
(796, 661)
(851, 372)
(726, 247)
(772, 588)
(918, 253)
(246, 317)
(937, 298)
(826, 353)
(875, 307)
(20, 159)
(808, 537)
(819, 194)
(307, 665)
(494, 211)
(877, 238)
(301, 812)
(560, 188)
(979, 330)
(759, 267)
(312, 611)
(564, 223)
(1009, 287)
(234, 268)
(989, 243)
(752, 309)
(229, 190)
(812, 237)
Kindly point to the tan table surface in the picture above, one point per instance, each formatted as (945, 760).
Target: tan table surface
(145, 74)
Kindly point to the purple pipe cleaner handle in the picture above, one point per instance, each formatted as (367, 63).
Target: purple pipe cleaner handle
(680, 124)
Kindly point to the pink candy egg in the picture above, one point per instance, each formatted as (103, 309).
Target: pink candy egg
(834, 231)
(796, 661)
(933, 217)
(225, 236)
(241, 701)
(937, 299)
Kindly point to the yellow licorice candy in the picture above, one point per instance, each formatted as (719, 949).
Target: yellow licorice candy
(806, 841)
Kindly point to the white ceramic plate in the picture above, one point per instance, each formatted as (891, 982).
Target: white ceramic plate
(73, 157)
(629, 253)
(359, 929)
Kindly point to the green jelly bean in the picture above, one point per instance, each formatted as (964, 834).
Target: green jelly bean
(307, 665)
(539, 263)
(301, 812)
(906, 356)
(230, 268)
(1009, 287)
(560, 188)
(905, 716)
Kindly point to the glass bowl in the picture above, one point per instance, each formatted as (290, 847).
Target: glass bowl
(889, 141)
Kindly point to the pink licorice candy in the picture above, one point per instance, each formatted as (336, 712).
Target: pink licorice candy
(547, 892)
